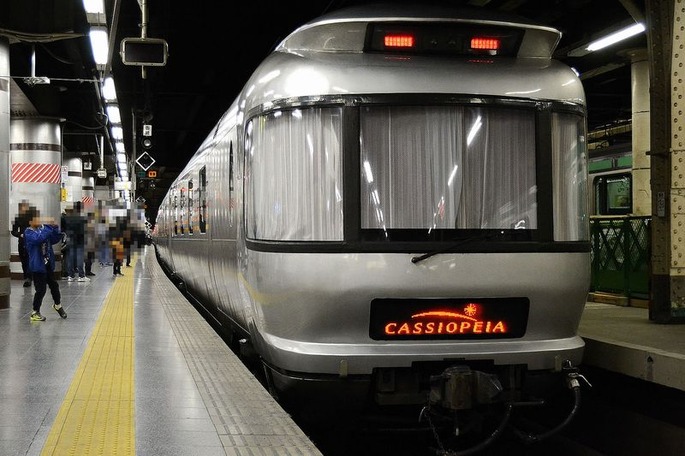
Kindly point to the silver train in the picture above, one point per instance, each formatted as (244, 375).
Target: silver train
(395, 203)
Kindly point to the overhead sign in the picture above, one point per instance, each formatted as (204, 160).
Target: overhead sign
(144, 51)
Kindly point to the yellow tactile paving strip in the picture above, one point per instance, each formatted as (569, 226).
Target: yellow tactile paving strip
(97, 415)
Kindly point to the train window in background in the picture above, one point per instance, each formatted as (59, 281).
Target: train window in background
(175, 209)
(480, 173)
(182, 206)
(613, 194)
(231, 194)
(293, 187)
(202, 199)
(191, 213)
(230, 166)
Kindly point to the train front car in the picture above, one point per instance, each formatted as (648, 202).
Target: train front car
(414, 208)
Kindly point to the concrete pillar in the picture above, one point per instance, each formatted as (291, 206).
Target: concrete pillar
(677, 121)
(642, 194)
(36, 156)
(667, 59)
(5, 225)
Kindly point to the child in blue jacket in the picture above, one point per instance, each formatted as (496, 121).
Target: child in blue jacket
(39, 238)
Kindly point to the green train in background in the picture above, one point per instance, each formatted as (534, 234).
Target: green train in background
(610, 170)
(620, 239)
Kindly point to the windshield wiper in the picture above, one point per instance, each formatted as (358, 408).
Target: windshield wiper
(477, 237)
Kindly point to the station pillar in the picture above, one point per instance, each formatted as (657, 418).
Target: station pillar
(4, 173)
(666, 33)
(639, 91)
(36, 174)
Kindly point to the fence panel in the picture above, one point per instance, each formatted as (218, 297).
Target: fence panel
(621, 255)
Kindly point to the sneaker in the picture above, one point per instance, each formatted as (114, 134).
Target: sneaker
(83, 279)
(27, 283)
(71, 279)
(36, 316)
(60, 311)
(90, 274)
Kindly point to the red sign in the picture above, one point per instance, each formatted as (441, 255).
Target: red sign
(448, 318)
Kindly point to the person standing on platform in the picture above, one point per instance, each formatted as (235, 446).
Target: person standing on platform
(40, 236)
(75, 226)
(91, 243)
(116, 236)
(21, 222)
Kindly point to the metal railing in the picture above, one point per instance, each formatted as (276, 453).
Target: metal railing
(621, 255)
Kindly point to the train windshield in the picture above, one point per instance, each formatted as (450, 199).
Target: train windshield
(448, 167)
(426, 173)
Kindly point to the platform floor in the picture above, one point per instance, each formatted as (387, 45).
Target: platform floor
(133, 369)
(624, 340)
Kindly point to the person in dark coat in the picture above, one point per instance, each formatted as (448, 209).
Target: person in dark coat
(39, 237)
(21, 222)
(74, 224)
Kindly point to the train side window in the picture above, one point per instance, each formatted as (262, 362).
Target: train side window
(183, 211)
(230, 166)
(202, 200)
(175, 209)
(191, 206)
(231, 194)
(613, 194)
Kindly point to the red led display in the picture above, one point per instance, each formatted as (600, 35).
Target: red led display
(398, 41)
(489, 44)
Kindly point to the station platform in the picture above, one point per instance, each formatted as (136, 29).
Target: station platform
(622, 339)
(133, 369)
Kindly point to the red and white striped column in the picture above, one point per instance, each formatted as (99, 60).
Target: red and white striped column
(35, 168)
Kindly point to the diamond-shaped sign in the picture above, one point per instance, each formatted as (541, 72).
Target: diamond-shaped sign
(145, 161)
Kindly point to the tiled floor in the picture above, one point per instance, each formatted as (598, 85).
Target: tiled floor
(192, 395)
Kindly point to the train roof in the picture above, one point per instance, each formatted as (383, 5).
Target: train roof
(341, 30)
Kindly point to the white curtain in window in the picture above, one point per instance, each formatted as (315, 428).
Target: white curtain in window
(294, 176)
(448, 167)
(569, 161)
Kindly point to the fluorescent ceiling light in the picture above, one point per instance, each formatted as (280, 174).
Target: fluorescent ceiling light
(113, 114)
(607, 40)
(117, 133)
(94, 6)
(616, 37)
(95, 12)
(99, 43)
(109, 92)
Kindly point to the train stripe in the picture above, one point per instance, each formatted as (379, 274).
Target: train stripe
(45, 173)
